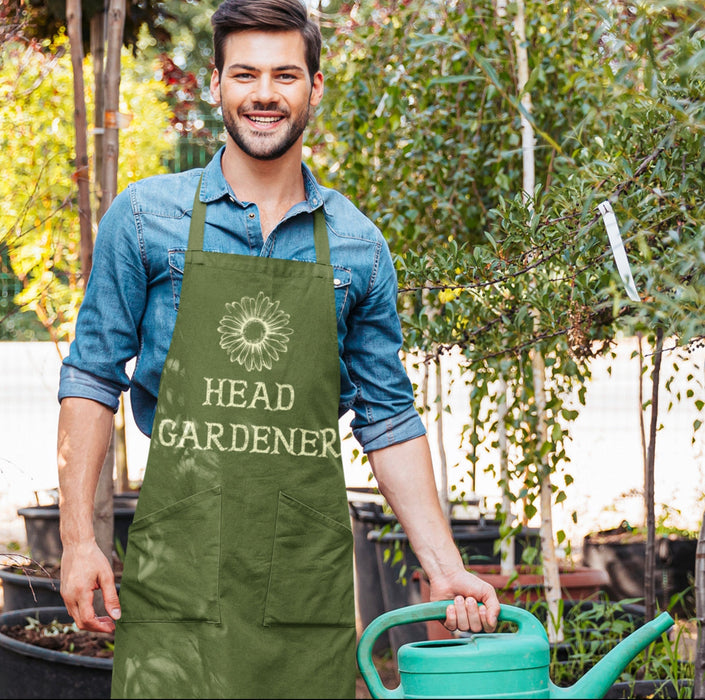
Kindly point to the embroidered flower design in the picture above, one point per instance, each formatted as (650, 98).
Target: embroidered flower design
(254, 331)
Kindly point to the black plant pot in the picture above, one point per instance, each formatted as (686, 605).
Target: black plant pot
(28, 671)
(622, 555)
(367, 515)
(41, 523)
(42, 527)
(395, 592)
(27, 591)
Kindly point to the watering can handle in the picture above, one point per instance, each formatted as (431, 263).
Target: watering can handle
(423, 612)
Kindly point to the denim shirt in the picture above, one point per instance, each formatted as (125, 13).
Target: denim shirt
(132, 297)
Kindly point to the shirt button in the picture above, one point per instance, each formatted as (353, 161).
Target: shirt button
(251, 215)
(336, 281)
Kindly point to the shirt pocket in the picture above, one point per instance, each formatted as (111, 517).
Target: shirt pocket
(342, 279)
(160, 574)
(177, 258)
(311, 577)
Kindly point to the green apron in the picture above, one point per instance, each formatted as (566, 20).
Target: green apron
(238, 579)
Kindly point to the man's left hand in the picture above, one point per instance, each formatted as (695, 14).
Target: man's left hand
(475, 607)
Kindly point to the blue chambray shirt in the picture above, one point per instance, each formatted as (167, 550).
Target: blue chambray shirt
(129, 309)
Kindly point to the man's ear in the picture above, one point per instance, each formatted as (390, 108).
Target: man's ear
(316, 89)
(215, 86)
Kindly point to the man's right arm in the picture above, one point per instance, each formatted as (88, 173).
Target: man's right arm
(83, 439)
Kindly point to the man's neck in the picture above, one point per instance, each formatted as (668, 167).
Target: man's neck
(273, 185)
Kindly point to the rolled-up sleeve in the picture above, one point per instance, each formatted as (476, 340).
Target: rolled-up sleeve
(399, 428)
(384, 408)
(78, 383)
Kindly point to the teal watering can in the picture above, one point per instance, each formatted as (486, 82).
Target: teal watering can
(490, 665)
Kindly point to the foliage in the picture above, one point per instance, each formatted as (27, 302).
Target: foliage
(421, 129)
(594, 627)
(185, 60)
(429, 143)
(39, 234)
(50, 629)
(46, 19)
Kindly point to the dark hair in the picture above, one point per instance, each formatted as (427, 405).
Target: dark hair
(266, 15)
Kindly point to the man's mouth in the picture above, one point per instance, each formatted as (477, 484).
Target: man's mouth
(265, 121)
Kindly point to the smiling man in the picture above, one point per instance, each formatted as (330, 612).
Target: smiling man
(260, 307)
(266, 107)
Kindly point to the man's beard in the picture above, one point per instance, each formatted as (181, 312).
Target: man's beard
(265, 146)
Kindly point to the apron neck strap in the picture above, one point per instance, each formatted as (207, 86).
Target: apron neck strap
(198, 220)
(320, 237)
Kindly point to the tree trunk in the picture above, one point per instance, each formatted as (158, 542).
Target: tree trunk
(699, 682)
(116, 24)
(98, 56)
(642, 427)
(103, 508)
(122, 478)
(507, 544)
(527, 130)
(443, 487)
(551, 573)
(73, 25)
(650, 549)
(548, 550)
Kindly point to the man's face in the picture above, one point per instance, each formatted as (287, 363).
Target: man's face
(265, 91)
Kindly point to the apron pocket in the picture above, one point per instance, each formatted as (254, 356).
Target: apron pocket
(172, 563)
(311, 579)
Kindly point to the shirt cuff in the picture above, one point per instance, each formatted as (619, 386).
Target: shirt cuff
(390, 431)
(78, 383)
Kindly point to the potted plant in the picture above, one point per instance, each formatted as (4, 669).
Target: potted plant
(35, 580)
(28, 584)
(525, 586)
(592, 628)
(621, 553)
(43, 655)
(42, 526)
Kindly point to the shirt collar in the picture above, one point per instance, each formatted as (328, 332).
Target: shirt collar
(214, 186)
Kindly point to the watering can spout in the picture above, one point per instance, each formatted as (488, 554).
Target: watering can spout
(596, 682)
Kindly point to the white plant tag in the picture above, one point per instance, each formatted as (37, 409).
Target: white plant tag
(617, 245)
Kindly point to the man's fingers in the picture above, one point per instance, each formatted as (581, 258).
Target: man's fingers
(111, 600)
(472, 613)
(465, 614)
(86, 618)
(462, 613)
(451, 622)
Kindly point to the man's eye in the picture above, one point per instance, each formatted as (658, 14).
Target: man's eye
(287, 77)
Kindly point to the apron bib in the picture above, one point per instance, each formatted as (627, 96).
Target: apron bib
(238, 578)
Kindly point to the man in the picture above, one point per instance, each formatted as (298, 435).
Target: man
(260, 306)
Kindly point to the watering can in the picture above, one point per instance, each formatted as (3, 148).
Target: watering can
(490, 665)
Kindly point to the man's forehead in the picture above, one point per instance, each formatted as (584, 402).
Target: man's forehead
(266, 49)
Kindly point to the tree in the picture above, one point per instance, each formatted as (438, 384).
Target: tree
(429, 147)
(40, 231)
(105, 20)
(115, 22)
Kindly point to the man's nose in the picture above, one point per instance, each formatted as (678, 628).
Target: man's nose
(265, 90)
